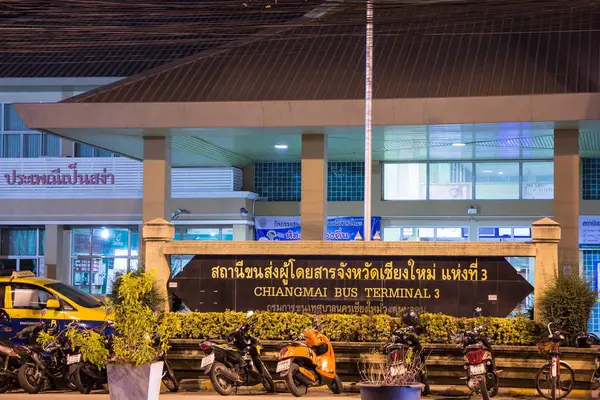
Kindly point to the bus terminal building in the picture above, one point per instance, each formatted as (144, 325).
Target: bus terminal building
(480, 128)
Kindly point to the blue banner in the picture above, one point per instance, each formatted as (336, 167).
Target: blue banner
(338, 228)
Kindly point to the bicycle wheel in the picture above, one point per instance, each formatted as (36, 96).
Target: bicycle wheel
(563, 386)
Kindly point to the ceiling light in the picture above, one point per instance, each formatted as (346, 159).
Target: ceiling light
(281, 146)
(213, 234)
(500, 173)
(487, 171)
(458, 144)
(105, 233)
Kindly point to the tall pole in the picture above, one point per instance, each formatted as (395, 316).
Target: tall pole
(368, 118)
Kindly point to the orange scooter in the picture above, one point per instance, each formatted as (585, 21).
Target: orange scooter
(308, 360)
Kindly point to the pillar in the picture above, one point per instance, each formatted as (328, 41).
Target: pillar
(156, 234)
(242, 232)
(56, 263)
(546, 234)
(157, 178)
(567, 194)
(313, 203)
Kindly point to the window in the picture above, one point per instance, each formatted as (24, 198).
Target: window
(451, 181)
(99, 254)
(405, 181)
(504, 234)
(75, 295)
(84, 150)
(426, 234)
(21, 249)
(18, 141)
(194, 233)
(29, 296)
(497, 181)
(538, 180)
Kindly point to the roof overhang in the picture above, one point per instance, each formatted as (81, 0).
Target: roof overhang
(120, 127)
(561, 108)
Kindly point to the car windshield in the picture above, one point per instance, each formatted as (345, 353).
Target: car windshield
(75, 295)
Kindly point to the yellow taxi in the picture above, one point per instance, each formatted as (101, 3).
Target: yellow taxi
(23, 296)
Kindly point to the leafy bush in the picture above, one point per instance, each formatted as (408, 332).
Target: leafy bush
(143, 334)
(152, 298)
(568, 304)
(351, 328)
(90, 344)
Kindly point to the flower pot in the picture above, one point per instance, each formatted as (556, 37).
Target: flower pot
(127, 382)
(373, 392)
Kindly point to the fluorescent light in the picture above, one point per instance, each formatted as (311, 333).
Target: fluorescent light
(105, 233)
(487, 171)
(213, 234)
(281, 146)
(458, 144)
(500, 173)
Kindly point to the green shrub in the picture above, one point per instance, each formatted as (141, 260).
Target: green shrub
(568, 304)
(151, 298)
(351, 328)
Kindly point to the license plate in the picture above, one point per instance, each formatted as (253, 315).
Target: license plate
(478, 369)
(208, 361)
(397, 370)
(283, 365)
(73, 359)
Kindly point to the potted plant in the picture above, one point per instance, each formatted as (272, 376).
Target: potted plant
(382, 379)
(142, 339)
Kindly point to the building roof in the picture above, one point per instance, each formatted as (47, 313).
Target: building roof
(486, 48)
(115, 38)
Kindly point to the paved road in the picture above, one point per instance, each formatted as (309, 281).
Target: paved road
(211, 396)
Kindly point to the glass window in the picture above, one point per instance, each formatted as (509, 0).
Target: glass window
(497, 181)
(451, 234)
(200, 234)
(81, 244)
(42, 244)
(8, 265)
(28, 264)
(226, 234)
(451, 181)
(19, 242)
(32, 145)
(50, 146)
(84, 150)
(405, 181)
(30, 297)
(12, 120)
(11, 145)
(538, 180)
(110, 242)
(135, 238)
(75, 295)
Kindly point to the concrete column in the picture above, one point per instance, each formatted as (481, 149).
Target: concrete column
(567, 194)
(313, 204)
(242, 232)
(55, 261)
(157, 178)
(156, 234)
(546, 234)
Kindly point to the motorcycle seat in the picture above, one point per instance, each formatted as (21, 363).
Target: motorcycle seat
(285, 344)
(477, 346)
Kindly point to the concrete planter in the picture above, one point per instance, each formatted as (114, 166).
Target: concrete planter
(127, 382)
(374, 392)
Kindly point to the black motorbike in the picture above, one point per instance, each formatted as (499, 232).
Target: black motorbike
(404, 341)
(241, 365)
(587, 340)
(43, 366)
(479, 362)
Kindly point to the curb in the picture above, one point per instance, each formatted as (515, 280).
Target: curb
(438, 390)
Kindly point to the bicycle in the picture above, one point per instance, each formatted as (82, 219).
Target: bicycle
(558, 374)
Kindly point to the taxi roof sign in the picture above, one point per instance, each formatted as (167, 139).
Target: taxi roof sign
(21, 274)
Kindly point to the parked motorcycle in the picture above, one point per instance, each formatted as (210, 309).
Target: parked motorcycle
(308, 360)
(240, 365)
(404, 340)
(47, 365)
(587, 340)
(479, 362)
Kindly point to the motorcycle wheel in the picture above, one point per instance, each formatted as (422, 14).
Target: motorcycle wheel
(83, 381)
(28, 380)
(336, 386)
(294, 385)
(493, 379)
(267, 379)
(168, 378)
(483, 388)
(221, 384)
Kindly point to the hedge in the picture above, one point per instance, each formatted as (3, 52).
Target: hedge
(518, 331)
